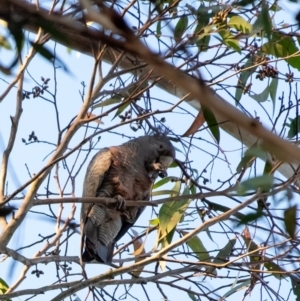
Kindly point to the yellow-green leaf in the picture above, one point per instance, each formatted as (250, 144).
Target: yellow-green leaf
(3, 288)
(170, 214)
(198, 248)
(4, 43)
(240, 24)
(283, 46)
(290, 220)
(162, 182)
(163, 192)
(110, 101)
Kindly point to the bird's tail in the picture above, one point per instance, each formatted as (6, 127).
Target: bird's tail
(97, 252)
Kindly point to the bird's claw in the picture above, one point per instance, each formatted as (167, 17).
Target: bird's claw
(121, 203)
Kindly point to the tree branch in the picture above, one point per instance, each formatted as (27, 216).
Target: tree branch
(78, 37)
(158, 255)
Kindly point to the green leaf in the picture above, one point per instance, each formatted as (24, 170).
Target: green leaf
(192, 296)
(193, 188)
(248, 218)
(158, 29)
(203, 15)
(166, 241)
(162, 182)
(218, 207)
(290, 220)
(203, 36)
(234, 44)
(296, 288)
(203, 30)
(243, 78)
(192, 9)
(223, 255)
(47, 54)
(268, 167)
(173, 165)
(154, 222)
(273, 267)
(237, 288)
(203, 43)
(110, 101)
(273, 91)
(4, 43)
(209, 235)
(267, 22)
(261, 97)
(229, 40)
(163, 192)
(122, 108)
(263, 182)
(252, 152)
(294, 127)
(3, 288)
(211, 122)
(240, 24)
(263, 21)
(170, 214)
(275, 7)
(198, 248)
(251, 247)
(181, 27)
(283, 46)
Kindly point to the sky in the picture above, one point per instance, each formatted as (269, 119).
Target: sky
(38, 116)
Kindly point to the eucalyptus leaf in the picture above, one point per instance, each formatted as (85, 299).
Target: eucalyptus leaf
(273, 91)
(261, 97)
(290, 220)
(240, 24)
(170, 214)
(181, 27)
(211, 122)
(263, 182)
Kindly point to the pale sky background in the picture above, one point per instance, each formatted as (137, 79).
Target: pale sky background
(38, 116)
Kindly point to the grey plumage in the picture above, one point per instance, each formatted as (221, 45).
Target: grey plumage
(124, 172)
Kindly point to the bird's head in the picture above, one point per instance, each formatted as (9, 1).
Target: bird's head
(159, 153)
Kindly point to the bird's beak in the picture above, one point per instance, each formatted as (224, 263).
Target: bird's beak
(165, 162)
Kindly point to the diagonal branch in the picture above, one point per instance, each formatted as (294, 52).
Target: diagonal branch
(76, 38)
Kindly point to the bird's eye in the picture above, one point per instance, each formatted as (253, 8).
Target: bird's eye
(161, 146)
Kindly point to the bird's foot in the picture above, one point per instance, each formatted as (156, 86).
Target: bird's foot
(121, 203)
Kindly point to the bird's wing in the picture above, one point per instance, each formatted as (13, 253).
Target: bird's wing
(126, 225)
(96, 171)
(95, 174)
